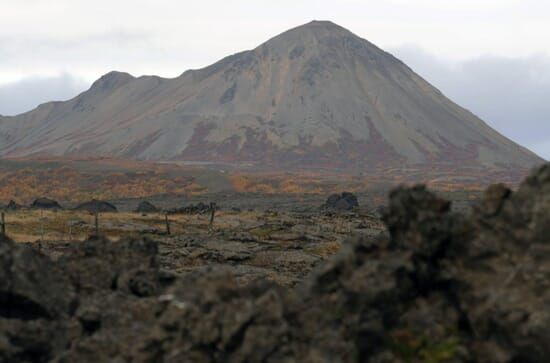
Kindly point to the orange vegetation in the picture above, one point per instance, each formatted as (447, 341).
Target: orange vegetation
(70, 184)
(79, 180)
(292, 183)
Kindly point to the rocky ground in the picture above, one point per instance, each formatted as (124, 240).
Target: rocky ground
(280, 247)
(439, 287)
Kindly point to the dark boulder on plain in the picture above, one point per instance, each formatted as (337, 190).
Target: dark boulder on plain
(45, 203)
(97, 206)
(146, 207)
(344, 202)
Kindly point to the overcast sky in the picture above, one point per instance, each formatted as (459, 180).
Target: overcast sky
(490, 56)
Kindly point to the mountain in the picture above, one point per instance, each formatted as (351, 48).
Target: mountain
(314, 96)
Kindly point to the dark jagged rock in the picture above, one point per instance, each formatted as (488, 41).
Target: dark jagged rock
(97, 206)
(101, 264)
(345, 202)
(45, 203)
(31, 286)
(221, 322)
(504, 272)
(36, 301)
(146, 207)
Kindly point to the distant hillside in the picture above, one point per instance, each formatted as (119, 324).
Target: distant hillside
(316, 96)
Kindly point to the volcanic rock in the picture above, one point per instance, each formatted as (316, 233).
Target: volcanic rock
(345, 201)
(45, 203)
(99, 264)
(97, 206)
(36, 301)
(146, 207)
(31, 286)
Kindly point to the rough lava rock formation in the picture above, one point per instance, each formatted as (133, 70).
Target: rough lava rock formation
(440, 287)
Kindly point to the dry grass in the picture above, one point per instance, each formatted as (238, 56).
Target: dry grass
(325, 250)
(262, 232)
(34, 225)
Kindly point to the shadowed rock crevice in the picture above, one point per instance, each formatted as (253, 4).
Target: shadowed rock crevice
(14, 306)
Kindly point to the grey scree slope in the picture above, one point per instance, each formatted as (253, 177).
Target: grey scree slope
(314, 96)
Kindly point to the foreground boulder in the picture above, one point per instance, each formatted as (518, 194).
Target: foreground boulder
(504, 272)
(36, 302)
(96, 289)
(31, 286)
(344, 202)
(101, 264)
(97, 206)
(45, 203)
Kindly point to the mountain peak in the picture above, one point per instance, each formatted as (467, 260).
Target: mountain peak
(112, 80)
(312, 40)
(322, 23)
(320, 28)
(320, 37)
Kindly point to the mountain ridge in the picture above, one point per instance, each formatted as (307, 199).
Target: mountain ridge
(314, 96)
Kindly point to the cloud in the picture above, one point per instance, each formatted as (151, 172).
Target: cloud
(89, 55)
(510, 94)
(459, 5)
(26, 94)
(542, 149)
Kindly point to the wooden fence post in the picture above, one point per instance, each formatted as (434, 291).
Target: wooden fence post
(41, 226)
(167, 222)
(70, 230)
(3, 225)
(96, 224)
(212, 214)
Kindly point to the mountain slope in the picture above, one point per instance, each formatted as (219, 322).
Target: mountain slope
(314, 96)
